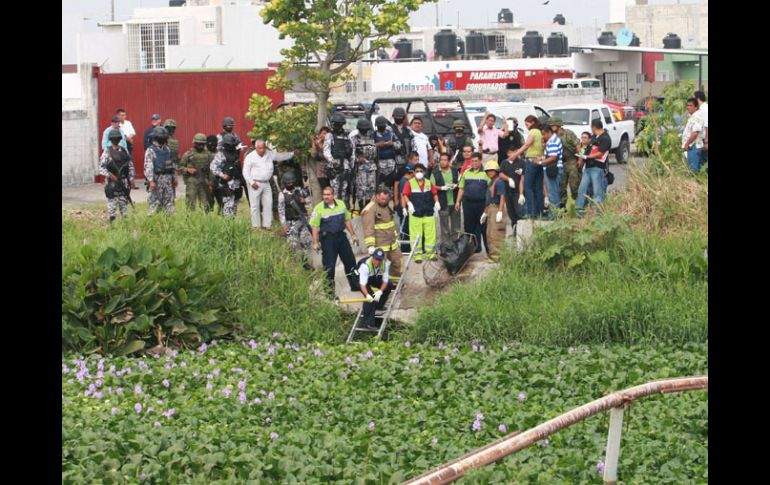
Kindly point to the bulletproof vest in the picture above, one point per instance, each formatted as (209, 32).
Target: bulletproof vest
(454, 143)
(119, 161)
(163, 163)
(365, 146)
(421, 200)
(232, 163)
(406, 138)
(387, 152)
(200, 160)
(342, 149)
(291, 212)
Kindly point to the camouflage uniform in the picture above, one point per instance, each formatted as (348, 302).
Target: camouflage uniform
(237, 140)
(572, 175)
(163, 195)
(366, 166)
(197, 185)
(116, 161)
(338, 154)
(227, 164)
(299, 234)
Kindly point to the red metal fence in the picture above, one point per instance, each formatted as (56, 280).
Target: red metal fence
(197, 101)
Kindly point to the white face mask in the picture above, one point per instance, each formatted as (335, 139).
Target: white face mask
(419, 175)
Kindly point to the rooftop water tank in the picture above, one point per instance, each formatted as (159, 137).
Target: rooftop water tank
(505, 16)
(445, 43)
(672, 41)
(559, 19)
(404, 48)
(476, 44)
(557, 45)
(532, 44)
(607, 38)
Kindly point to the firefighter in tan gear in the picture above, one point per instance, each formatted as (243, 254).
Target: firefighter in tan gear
(380, 229)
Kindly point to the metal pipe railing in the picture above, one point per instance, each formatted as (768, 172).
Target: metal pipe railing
(514, 442)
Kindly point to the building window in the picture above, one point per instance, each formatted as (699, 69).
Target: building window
(147, 44)
(500, 42)
(664, 76)
(209, 26)
(352, 86)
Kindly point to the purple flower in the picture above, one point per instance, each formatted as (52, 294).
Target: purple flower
(257, 400)
(98, 395)
(253, 344)
(284, 378)
(318, 352)
(174, 353)
(502, 428)
(212, 362)
(347, 360)
(369, 354)
(208, 386)
(202, 349)
(479, 417)
(142, 476)
(226, 391)
(270, 363)
(183, 364)
(138, 407)
(138, 389)
(475, 348)
(166, 383)
(407, 344)
(544, 443)
(169, 413)
(216, 372)
(242, 396)
(99, 375)
(271, 395)
(276, 334)
(262, 391)
(273, 435)
(476, 425)
(299, 358)
(182, 387)
(481, 349)
(119, 390)
(114, 411)
(149, 410)
(156, 424)
(415, 360)
(209, 376)
(195, 373)
(434, 440)
(290, 366)
(271, 351)
(167, 366)
(600, 468)
(371, 426)
(241, 385)
(522, 396)
(213, 343)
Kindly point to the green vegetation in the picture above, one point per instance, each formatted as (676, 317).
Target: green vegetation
(264, 287)
(374, 413)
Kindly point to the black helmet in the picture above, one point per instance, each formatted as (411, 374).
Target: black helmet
(399, 111)
(364, 124)
(229, 142)
(212, 140)
(288, 178)
(337, 118)
(159, 133)
(114, 134)
(380, 122)
(228, 122)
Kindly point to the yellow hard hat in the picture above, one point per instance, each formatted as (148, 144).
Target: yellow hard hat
(491, 165)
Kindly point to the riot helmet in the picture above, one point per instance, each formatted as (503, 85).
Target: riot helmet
(160, 135)
(364, 126)
(114, 136)
(338, 122)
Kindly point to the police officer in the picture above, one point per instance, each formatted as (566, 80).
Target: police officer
(116, 166)
(196, 171)
(160, 173)
(293, 214)
(388, 145)
(338, 151)
(457, 140)
(374, 284)
(328, 222)
(380, 231)
(228, 124)
(365, 162)
(404, 134)
(422, 204)
(226, 169)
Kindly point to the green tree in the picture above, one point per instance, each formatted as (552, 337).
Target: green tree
(323, 29)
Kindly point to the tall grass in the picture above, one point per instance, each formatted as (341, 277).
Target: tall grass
(266, 284)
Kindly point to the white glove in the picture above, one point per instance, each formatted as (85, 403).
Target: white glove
(444, 188)
(519, 171)
(371, 249)
(499, 216)
(437, 207)
(377, 295)
(522, 200)
(511, 183)
(546, 202)
(404, 212)
(241, 146)
(369, 298)
(411, 207)
(483, 218)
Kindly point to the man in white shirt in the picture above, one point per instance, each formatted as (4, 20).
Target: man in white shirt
(692, 137)
(420, 141)
(703, 107)
(257, 172)
(128, 129)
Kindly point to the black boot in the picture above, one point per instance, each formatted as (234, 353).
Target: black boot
(112, 218)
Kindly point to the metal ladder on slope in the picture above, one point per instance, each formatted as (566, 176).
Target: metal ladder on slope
(384, 315)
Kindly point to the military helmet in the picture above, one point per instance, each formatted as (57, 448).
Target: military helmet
(381, 121)
(399, 111)
(363, 124)
(458, 124)
(199, 138)
(555, 121)
(491, 165)
(159, 132)
(228, 121)
(337, 118)
(169, 122)
(229, 141)
(114, 134)
(288, 178)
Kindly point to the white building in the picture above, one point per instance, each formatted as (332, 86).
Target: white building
(205, 34)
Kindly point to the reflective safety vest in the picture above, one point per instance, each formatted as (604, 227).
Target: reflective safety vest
(379, 227)
(422, 200)
(474, 183)
(330, 219)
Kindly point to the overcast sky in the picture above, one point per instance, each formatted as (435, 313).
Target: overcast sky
(82, 15)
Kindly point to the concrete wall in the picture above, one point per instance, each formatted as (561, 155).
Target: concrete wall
(600, 62)
(80, 135)
(109, 50)
(547, 98)
(651, 23)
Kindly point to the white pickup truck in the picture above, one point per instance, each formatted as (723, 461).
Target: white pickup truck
(578, 118)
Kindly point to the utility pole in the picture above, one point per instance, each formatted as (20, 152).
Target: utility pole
(113, 10)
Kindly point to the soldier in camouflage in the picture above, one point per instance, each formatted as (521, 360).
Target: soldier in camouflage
(338, 151)
(173, 143)
(195, 165)
(211, 146)
(293, 214)
(388, 146)
(160, 173)
(366, 162)
(456, 142)
(118, 170)
(226, 168)
(227, 129)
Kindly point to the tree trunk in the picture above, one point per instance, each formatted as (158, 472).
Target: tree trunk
(322, 98)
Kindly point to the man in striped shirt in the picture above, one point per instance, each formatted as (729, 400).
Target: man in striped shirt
(552, 165)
